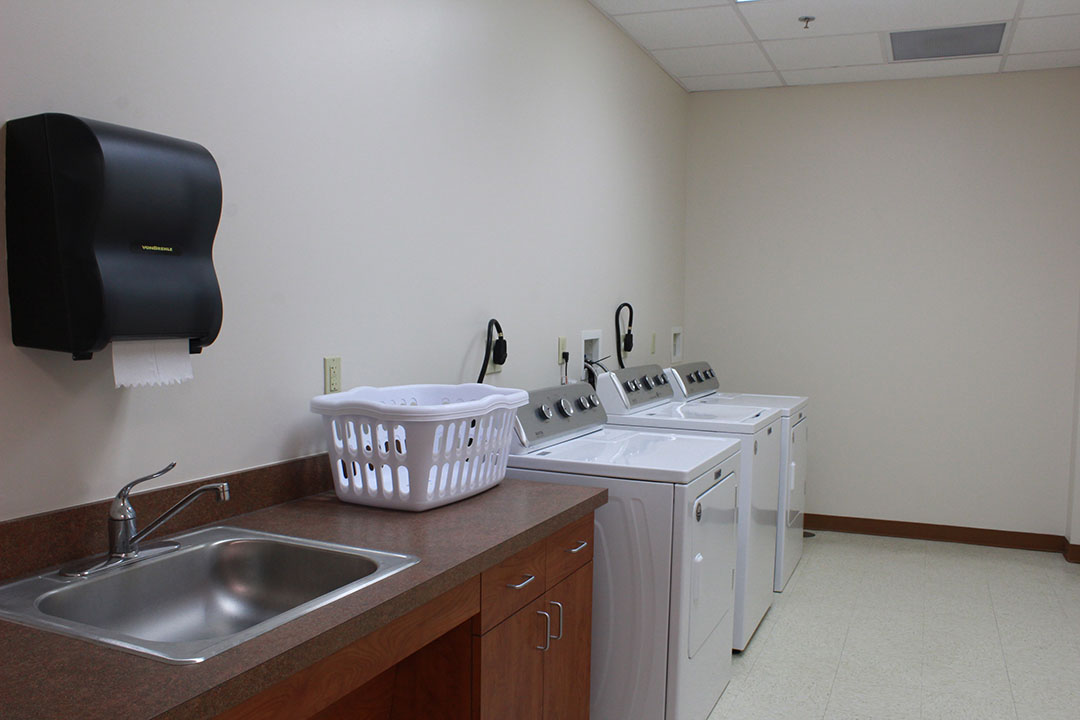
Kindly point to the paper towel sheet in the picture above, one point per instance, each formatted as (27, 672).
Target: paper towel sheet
(151, 362)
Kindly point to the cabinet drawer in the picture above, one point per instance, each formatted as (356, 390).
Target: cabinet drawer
(569, 548)
(508, 587)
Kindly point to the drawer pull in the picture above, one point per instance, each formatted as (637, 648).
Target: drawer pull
(582, 545)
(528, 579)
(547, 632)
(558, 605)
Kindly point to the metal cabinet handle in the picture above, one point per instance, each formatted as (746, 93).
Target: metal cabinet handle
(583, 544)
(558, 605)
(547, 632)
(528, 579)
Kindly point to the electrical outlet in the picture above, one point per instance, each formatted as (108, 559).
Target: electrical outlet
(492, 368)
(331, 374)
(591, 347)
(652, 347)
(676, 344)
(562, 349)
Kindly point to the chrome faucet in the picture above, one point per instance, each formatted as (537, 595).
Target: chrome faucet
(124, 536)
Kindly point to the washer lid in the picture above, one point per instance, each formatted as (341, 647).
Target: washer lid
(695, 415)
(631, 454)
(787, 404)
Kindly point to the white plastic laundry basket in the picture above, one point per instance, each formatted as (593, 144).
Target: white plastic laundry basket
(416, 447)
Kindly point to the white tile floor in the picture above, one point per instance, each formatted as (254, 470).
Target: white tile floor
(876, 628)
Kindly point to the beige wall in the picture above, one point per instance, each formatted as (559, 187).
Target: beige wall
(907, 254)
(394, 174)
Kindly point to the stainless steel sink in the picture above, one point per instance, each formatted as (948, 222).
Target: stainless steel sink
(222, 587)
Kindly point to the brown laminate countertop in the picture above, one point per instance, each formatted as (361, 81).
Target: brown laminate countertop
(44, 675)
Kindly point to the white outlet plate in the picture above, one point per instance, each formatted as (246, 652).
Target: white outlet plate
(652, 346)
(492, 368)
(592, 347)
(676, 344)
(562, 349)
(331, 374)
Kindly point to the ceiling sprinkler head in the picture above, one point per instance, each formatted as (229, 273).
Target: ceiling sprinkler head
(807, 19)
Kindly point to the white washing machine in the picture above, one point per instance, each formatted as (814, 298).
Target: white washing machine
(664, 561)
(642, 397)
(697, 382)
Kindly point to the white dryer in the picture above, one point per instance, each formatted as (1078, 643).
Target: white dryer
(664, 561)
(697, 382)
(642, 397)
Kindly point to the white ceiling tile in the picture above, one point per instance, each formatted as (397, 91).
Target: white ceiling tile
(777, 19)
(712, 60)
(618, 7)
(735, 81)
(1038, 8)
(706, 44)
(1042, 61)
(1046, 34)
(825, 51)
(894, 71)
(685, 28)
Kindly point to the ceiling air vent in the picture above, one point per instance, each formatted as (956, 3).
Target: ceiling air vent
(947, 42)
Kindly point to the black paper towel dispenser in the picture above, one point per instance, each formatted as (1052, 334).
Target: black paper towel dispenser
(110, 232)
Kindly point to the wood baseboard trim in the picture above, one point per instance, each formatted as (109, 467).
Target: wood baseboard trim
(945, 533)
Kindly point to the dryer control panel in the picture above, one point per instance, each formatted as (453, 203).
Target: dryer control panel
(633, 388)
(691, 380)
(558, 413)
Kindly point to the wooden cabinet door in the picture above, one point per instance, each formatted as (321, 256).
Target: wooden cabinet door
(510, 678)
(566, 663)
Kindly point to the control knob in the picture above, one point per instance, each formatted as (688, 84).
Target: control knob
(647, 382)
(583, 403)
(595, 399)
(566, 408)
(545, 412)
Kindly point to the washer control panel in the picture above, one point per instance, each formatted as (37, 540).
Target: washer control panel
(691, 380)
(558, 412)
(628, 389)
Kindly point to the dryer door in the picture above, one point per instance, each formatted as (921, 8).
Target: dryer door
(712, 560)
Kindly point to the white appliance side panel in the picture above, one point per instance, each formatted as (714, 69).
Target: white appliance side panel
(799, 436)
(759, 497)
(631, 580)
(779, 580)
(702, 593)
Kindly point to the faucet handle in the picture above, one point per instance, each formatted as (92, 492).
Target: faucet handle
(120, 509)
